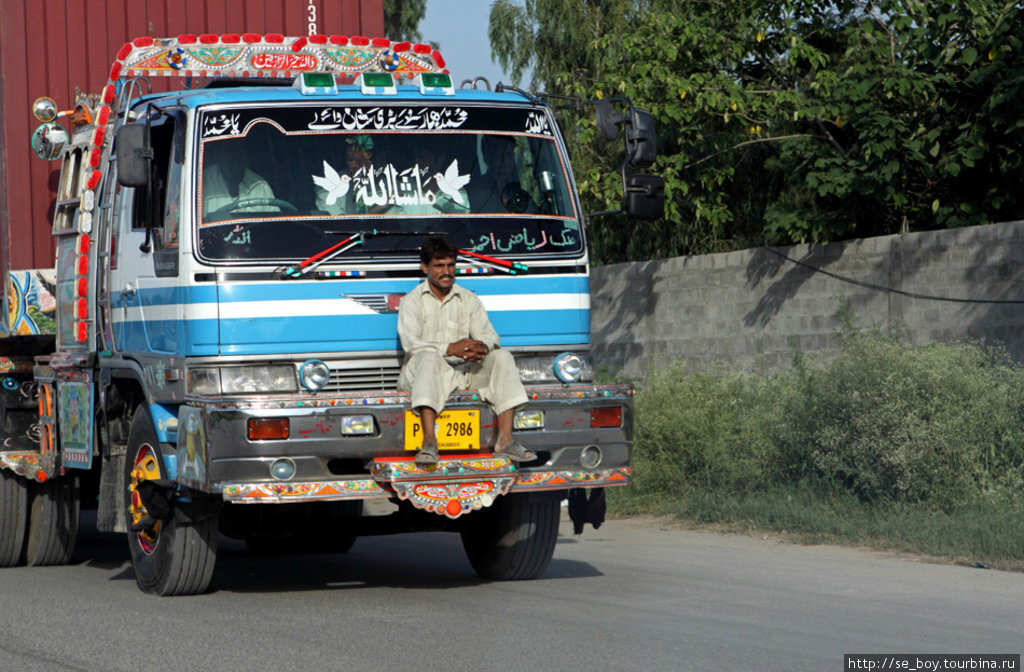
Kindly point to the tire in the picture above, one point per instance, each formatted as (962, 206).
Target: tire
(176, 555)
(13, 518)
(513, 539)
(52, 522)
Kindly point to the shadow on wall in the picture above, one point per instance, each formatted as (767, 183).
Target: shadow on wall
(628, 308)
(764, 265)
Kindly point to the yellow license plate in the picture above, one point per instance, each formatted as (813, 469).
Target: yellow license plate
(456, 430)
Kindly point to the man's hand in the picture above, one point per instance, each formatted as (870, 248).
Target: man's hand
(469, 349)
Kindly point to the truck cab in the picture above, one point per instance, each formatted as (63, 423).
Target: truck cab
(230, 263)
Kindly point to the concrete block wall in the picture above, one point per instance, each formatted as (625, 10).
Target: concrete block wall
(749, 309)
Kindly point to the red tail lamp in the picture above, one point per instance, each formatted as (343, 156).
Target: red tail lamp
(608, 416)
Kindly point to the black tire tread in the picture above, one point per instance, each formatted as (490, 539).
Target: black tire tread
(515, 539)
(52, 522)
(13, 518)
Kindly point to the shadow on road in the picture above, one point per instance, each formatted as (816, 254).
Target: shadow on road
(426, 560)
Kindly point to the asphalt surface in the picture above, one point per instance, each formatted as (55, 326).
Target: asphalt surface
(637, 594)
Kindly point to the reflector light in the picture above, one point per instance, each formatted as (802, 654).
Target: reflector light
(377, 84)
(83, 244)
(265, 429)
(436, 84)
(83, 265)
(81, 309)
(315, 84)
(83, 287)
(82, 331)
(609, 416)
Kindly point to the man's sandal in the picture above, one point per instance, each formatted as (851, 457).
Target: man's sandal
(428, 454)
(516, 452)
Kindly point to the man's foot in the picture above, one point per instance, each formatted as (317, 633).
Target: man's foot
(516, 452)
(428, 454)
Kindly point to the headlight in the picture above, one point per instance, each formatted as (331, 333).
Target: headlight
(314, 375)
(566, 368)
(242, 379)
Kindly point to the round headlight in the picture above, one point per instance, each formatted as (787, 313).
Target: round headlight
(314, 375)
(568, 367)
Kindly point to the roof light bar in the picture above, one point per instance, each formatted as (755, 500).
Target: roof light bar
(377, 84)
(315, 84)
(435, 84)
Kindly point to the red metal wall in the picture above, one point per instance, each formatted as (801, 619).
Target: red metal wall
(52, 47)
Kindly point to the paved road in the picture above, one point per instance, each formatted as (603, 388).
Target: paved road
(637, 594)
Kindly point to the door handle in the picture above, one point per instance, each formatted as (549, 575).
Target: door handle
(129, 291)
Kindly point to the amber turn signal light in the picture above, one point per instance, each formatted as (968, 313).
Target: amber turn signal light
(262, 429)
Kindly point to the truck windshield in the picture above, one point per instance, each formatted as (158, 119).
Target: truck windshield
(279, 185)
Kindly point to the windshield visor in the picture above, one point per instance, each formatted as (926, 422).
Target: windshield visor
(281, 185)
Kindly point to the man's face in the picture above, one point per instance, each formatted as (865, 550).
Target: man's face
(440, 274)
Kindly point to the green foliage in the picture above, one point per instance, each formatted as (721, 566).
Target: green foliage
(402, 19)
(910, 447)
(884, 422)
(787, 120)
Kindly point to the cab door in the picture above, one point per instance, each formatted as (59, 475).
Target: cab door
(144, 295)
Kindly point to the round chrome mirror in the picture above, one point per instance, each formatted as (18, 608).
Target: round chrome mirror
(49, 141)
(44, 109)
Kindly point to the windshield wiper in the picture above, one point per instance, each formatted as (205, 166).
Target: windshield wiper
(360, 237)
(356, 238)
(312, 262)
(510, 267)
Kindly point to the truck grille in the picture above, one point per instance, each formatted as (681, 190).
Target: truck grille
(377, 378)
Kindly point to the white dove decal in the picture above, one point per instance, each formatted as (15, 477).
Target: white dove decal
(335, 185)
(451, 182)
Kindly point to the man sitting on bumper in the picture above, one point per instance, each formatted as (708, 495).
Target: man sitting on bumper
(450, 344)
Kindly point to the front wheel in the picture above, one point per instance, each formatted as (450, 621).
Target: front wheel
(173, 555)
(514, 538)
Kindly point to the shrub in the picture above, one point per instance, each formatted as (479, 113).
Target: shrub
(884, 421)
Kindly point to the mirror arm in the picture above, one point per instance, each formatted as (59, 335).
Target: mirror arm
(148, 155)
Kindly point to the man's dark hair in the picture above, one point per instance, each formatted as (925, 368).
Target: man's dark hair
(437, 247)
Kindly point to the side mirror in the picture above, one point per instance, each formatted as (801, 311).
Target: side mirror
(644, 197)
(133, 155)
(641, 138)
(608, 119)
(50, 140)
(44, 109)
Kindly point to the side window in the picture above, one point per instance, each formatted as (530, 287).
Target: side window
(154, 208)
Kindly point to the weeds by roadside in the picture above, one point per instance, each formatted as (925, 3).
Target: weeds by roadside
(918, 449)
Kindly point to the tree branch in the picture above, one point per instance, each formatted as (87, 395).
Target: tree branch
(746, 142)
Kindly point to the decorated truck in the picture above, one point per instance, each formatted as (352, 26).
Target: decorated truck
(223, 354)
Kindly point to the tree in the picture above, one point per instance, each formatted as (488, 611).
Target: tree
(402, 19)
(788, 120)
